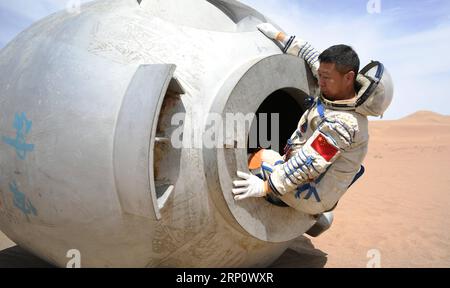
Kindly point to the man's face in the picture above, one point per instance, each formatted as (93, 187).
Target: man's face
(333, 84)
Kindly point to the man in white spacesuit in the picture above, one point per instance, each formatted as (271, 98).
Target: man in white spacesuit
(324, 155)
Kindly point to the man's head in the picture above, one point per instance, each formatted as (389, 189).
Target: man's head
(339, 66)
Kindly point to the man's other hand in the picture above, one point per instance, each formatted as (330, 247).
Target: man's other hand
(251, 186)
(269, 30)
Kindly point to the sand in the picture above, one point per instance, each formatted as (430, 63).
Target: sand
(397, 215)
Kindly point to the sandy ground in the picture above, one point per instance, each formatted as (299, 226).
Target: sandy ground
(397, 215)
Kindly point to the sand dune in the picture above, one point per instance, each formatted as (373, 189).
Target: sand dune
(399, 211)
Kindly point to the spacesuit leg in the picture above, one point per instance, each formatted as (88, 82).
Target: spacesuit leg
(261, 164)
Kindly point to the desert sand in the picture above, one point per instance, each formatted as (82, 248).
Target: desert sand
(396, 215)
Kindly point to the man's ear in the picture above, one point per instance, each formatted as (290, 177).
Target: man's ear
(350, 77)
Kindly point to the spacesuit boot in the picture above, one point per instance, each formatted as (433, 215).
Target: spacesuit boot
(323, 223)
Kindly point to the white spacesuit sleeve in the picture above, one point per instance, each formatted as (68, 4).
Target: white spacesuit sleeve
(333, 135)
(301, 48)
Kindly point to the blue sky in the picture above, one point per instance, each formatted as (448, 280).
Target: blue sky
(412, 38)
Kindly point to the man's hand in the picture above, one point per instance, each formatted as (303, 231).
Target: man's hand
(270, 31)
(251, 186)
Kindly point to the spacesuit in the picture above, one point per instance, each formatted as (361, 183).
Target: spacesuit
(324, 154)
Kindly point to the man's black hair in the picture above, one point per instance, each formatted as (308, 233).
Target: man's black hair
(343, 56)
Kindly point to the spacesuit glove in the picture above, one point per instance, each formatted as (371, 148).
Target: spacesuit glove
(270, 31)
(251, 186)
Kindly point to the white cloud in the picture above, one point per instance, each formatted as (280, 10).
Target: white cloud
(425, 50)
(33, 10)
(17, 15)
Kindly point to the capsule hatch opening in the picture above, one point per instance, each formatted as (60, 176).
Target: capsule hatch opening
(167, 155)
(275, 122)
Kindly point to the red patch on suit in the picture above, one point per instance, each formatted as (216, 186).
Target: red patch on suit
(324, 148)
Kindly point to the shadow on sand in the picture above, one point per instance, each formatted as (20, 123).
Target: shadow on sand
(17, 257)
(302, 254)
